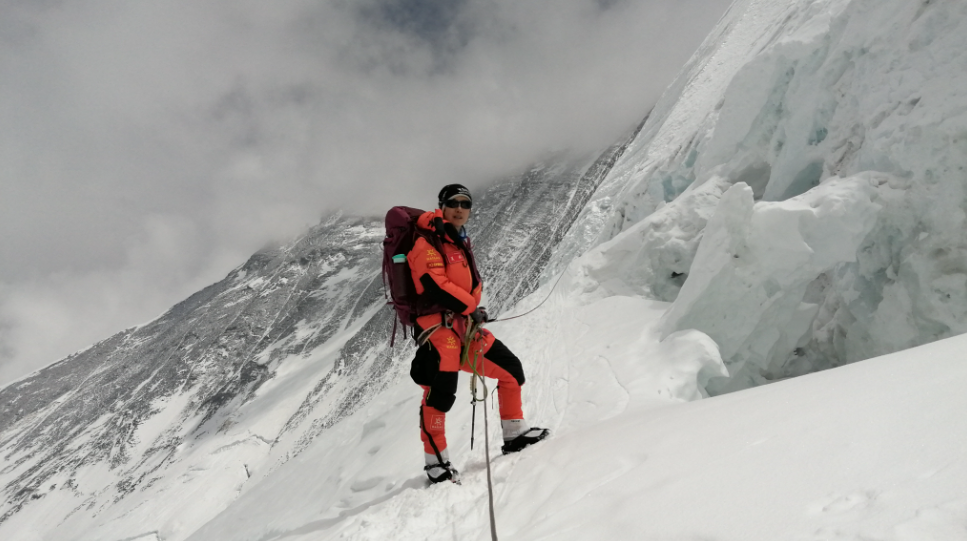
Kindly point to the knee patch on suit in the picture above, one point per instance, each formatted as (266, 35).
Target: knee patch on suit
(425, 365)
(443, 391)
(502, 357)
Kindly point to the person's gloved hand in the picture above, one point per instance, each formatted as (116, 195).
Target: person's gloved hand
(480, 315)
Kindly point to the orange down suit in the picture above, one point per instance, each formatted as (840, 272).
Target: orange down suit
(447, 279)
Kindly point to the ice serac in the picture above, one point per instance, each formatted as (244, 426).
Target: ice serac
(756, 281)
(801, 103)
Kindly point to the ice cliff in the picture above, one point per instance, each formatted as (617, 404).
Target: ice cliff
(799, 192)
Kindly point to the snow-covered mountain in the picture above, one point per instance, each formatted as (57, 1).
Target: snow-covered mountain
(127, 406)
(795, 202)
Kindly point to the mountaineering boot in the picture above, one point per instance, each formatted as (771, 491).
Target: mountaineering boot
(518, 434)
(437, 471)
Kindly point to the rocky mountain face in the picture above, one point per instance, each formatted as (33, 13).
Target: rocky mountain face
(130, 404)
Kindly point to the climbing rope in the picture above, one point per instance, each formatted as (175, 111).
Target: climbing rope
(473, 332)
(536, 307)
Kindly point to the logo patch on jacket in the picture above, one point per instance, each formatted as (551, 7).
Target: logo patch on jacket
(455, 257)
(432, 255)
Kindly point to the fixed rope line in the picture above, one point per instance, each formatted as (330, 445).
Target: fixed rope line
(536, 307)
(472, 332)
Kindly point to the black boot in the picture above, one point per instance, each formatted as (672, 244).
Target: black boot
(527, 437)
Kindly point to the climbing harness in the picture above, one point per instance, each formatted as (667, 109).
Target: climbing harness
(425, 335)
(446, 322)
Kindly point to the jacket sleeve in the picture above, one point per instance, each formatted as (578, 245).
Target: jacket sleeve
(430, 277)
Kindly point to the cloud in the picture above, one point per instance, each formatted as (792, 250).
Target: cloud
(202, 130)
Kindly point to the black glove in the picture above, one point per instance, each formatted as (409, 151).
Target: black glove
(480, 315)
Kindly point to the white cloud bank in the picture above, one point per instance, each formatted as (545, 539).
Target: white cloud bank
(148, 148)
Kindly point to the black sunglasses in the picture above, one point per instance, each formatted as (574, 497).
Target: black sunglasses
(453, 203)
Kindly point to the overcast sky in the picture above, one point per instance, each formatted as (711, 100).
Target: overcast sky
(147, 148)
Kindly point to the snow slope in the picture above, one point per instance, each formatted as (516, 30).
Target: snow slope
(874, 450)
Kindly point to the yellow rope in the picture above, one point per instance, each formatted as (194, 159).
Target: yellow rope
(472, 333)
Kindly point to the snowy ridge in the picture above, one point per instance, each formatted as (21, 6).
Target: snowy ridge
(109, 423)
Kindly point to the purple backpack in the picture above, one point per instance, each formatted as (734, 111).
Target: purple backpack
(401, 233)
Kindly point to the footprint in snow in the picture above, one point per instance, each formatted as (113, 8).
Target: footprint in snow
(372, 426)
(842, 503)
(363, 485)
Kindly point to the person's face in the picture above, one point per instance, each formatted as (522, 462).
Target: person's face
(457, 215)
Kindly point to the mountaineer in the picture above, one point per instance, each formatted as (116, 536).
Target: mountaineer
(445, 275)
